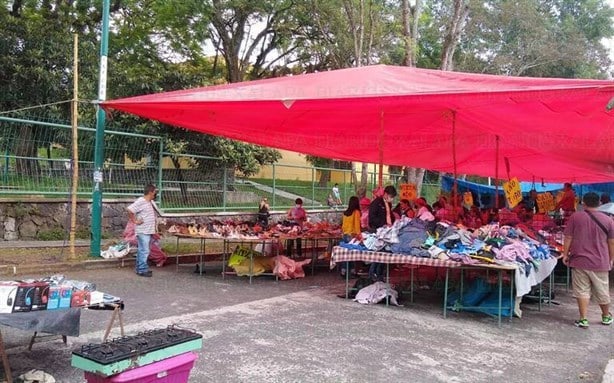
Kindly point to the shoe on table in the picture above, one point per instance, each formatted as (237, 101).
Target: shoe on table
(145, 274)
(606, 319)
(582, 323)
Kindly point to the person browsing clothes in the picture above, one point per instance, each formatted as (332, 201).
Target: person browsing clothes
(380, 215)
(350, 226)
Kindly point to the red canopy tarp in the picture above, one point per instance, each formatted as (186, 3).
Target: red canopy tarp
(557, 130)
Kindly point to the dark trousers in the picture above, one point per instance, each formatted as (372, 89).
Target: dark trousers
(376, 271)
(290, 246)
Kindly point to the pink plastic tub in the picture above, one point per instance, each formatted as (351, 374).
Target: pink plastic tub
(170, 370)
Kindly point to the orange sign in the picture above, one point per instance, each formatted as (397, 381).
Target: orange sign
(468, 199)
(513, 194)
(409, 192)
(545, 202)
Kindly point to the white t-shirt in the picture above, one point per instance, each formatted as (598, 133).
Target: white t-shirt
(336, 192)
(145, 211)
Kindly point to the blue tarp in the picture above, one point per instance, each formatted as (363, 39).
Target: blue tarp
(480, 189)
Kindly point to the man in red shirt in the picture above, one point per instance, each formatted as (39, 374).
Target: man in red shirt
(568, 202)
(589, 250)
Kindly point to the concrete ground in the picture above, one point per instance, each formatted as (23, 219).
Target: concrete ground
(300, 331)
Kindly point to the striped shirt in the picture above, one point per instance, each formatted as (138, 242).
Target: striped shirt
(145, 211)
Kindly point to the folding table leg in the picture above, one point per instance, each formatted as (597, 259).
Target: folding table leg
(5, 361)
(117, 313)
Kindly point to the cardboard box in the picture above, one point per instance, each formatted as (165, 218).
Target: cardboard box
(41, 296)
(24, 297)
(8, 291)
(80, 298)
(53, 301)
(65, 297)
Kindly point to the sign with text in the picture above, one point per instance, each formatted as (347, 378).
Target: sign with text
(409, 192)
(513, 194)
(468, 199)
(545, 202)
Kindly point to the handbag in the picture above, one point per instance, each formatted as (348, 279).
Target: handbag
(597, 222)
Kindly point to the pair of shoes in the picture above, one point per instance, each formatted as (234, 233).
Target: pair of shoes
(582, 323)
(606, 319)
(145, 274)
(160, 264)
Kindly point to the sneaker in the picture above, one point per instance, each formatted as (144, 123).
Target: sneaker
(606, 319)
(146, 274)
(582, 323)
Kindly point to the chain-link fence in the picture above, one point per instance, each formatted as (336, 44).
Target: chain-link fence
(35, 160)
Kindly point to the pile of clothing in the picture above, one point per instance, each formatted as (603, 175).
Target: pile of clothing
(491, 243)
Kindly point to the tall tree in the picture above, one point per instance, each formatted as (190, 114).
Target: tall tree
(539, 38)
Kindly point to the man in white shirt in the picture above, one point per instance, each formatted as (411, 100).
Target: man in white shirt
(143, 214)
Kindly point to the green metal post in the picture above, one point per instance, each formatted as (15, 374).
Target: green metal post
(6, 166)
(160, 158)
(96, 227)
(224, 189)
(313, 187)
(274, 185)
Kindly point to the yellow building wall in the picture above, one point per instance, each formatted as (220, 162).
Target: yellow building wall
(294, 166)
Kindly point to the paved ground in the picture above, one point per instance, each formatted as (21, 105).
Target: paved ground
(300, 331)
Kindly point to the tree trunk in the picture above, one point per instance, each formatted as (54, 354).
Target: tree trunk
(24, 147)
(453, 32)
(410, 18)
(324, 178)
(182, 186)
(410, 36)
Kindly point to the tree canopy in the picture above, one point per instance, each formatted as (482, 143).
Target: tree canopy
(162, 45)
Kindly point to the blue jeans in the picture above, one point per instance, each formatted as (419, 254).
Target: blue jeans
(142, 253)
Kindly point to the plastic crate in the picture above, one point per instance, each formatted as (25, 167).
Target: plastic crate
(171, 370)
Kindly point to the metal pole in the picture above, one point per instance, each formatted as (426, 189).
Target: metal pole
(380, 147)
(224, 185)
(497, 172)
(160, 173)
(96, 228)
(75, 148)
(274, 202)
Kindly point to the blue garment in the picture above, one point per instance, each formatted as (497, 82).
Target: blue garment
(142, 253)
(411, 236)
(352, 246)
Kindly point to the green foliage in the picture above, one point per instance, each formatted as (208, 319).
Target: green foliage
(159, 45)
(84, 233)
(22, 210)
(55, 234)
(554, 38)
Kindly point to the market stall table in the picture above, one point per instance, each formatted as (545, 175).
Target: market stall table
(228, 242)
(202, 249)
(329, 239)
(63, 322)
(523, 283)
(342, 254)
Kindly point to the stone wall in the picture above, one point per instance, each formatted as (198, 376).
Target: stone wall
(34, 219)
